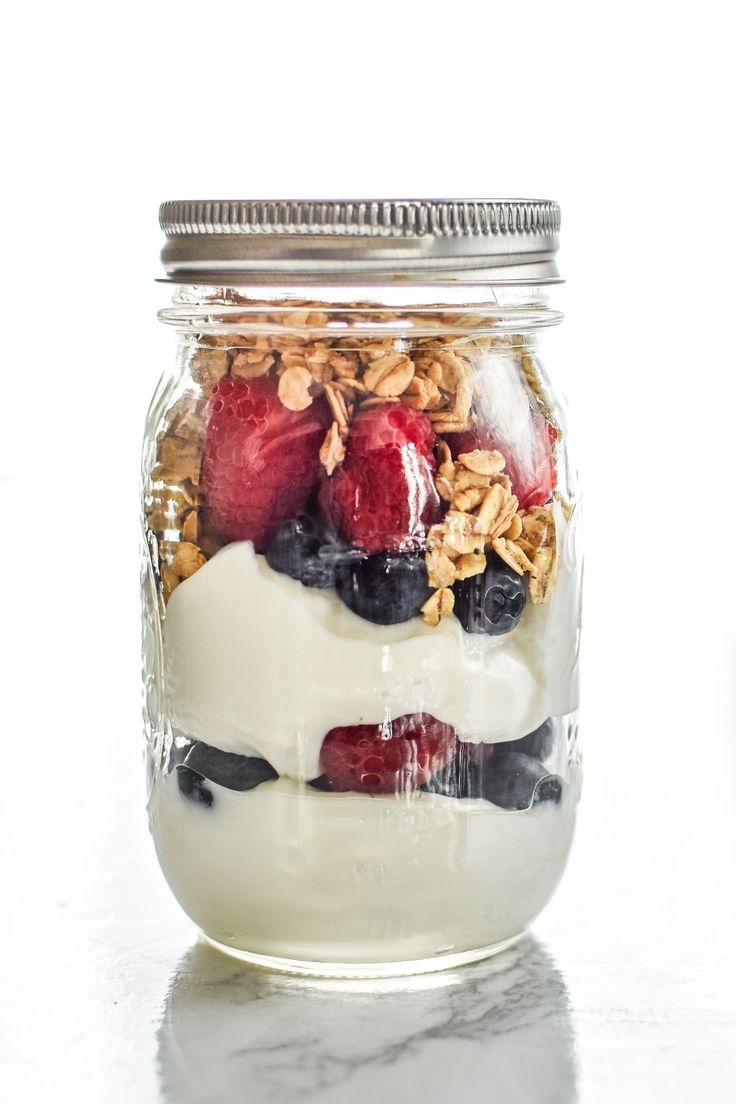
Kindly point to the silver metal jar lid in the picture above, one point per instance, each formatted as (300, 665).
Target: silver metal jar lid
(374, 241)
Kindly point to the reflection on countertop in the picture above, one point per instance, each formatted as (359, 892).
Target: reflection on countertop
(497, 1030)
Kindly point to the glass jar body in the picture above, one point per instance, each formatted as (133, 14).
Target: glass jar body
(361, 614)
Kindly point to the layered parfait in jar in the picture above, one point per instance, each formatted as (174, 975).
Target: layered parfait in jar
(362, 613)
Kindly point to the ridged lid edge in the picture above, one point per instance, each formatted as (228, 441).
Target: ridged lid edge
(396, 218)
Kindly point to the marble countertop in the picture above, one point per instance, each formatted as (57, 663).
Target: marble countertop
(504, 1025)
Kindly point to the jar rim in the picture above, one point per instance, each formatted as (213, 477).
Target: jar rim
(324, 321)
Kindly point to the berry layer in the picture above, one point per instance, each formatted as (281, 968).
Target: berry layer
(256, 662)
(286, 871)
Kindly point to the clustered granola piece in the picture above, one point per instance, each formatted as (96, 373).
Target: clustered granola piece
(435, 381)
(294, 384)
(437, 606)
(188, 558)
(452, 376)
(538, 541)
(173, 505)
(534, 380)
(332, 452)
(179, 560)
(208, 366)
(389, 375)
(484, 514)
(169, 580)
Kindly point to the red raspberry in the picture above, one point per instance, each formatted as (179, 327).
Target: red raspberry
(391, 758)
(261, 461)
(383, 497)
(530, 461)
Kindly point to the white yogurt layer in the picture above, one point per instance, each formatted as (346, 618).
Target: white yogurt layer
(254, 661)
(296, 873)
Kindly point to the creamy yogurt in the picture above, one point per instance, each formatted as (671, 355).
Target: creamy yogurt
(290, 872)
(254, 661)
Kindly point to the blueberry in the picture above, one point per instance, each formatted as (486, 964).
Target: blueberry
(493, 602)
(386, 589)
(234, 772)
(292, 546)
(508, 779)
(321, 783)
(538, 744)
(192, 786)
(296, 550)
(319, 570)
(451, 781)
(516, 781)
(463, 775)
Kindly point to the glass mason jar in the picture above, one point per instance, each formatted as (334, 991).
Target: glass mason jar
(361, 582)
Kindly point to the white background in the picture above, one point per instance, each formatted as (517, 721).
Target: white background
(624, 113)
